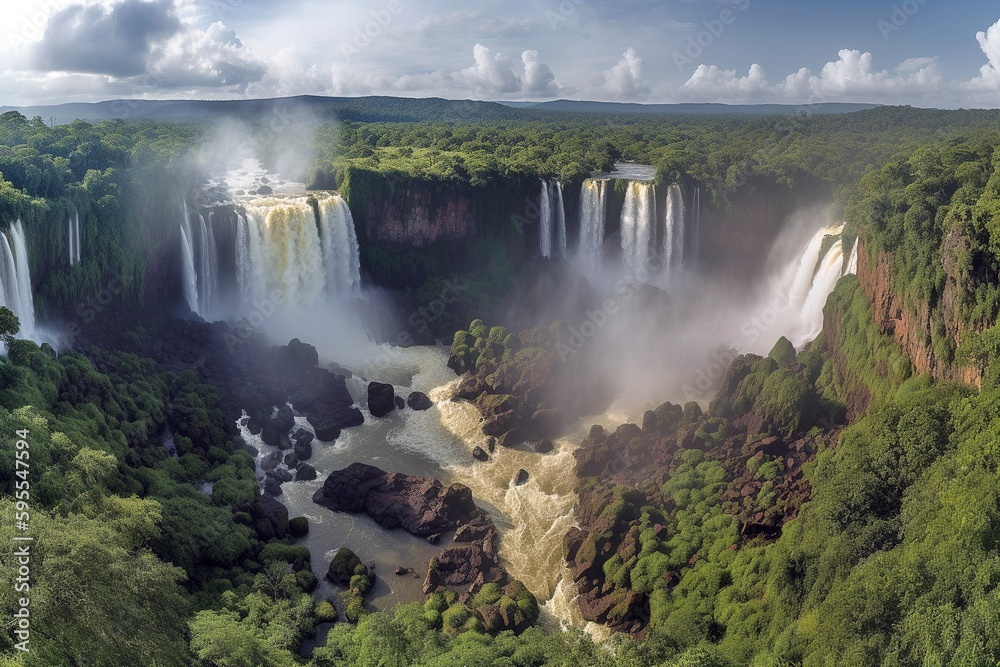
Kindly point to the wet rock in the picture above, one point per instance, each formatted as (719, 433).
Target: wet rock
(544, 446)
(291, 460)
(400, 570)
(418, 400)
(491, 444)
(305, 473)
(420, 505)
(434, 539)
(480, 455)
(272, 487)
(303, 450)
(274, 514)
(381, 398)
(400, 403)
(521, 477)
(281, 475)
(271, 461)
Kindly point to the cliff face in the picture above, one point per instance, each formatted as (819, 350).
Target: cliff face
(911, 327)
(417, 218)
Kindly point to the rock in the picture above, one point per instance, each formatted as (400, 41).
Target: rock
(400, 403)
(491, 444)
(272, 487)
(297, 357)
(275, 431)
(480, 455)
(420, 505)
(327, 431)
(434, 539)
(400, 570)
(381, 398)
(303, 436)
(291, 460)
(270, 462)
(303, 450)
(265, 190)
(521, 478)
(281, 475)
(544, 446)
(305, 473)
(344, 565)
(418, 400)
(275, 514)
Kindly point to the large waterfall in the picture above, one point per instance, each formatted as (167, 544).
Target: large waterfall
(638, 228)
(281, 251)
(673, 230)
(201, 265)
(16, 279)
(813, 279)
(551, 220)
(593, 211)
(73, 233)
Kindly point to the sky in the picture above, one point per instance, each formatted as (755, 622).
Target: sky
(927, 53)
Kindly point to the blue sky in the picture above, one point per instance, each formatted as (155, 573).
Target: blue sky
(921, 52)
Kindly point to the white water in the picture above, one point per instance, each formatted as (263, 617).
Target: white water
(852, 263)
(341, 255)
(638, 222)
(545, 222)
(593, 212)
(810, 280)
(673, 229)
(281, 250)
(73, 232)
(560, 211)
(189, 273)
(208, 270)
(16, 291)
(696, 226)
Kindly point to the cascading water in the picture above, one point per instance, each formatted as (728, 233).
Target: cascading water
(812, 280)
(73, 231)
(16, 288)
(638, 223)
(545, 222)
(551, 220)
(696, 226)
(560, 211)
(852, 263)
(673, 224)
(189, 272)
(281, 248)
(341, 254)
(593, 211)
(208, 271)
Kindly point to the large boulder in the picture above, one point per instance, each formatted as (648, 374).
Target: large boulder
(381, 399)
(418, 400)
(345, 564)
(420, 505)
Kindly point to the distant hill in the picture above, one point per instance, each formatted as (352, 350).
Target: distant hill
(695, 109)
(394, 109)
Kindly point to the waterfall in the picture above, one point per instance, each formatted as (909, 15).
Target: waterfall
(681, 217)
(638, 215)
(341, 255)
(282, 248)
(811, 280)
(208, 270)
(545, 222)
(696, 226)
(851, 267)
(830, 270)
(593, 209)
(73, 230)
(190, 274)
(16, 279)
(560, 211)
(673, 221)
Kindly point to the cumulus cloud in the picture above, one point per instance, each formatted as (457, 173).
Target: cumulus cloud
(850, 77)
(491, 75)
(626, 80)
(95, 39)
(211, 58)
(989, 74)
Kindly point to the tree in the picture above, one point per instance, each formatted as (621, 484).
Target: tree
(9, 325)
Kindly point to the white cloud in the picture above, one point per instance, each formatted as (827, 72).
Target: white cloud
(849, 78)
(626, 80)
(205, 59)
(989, 74)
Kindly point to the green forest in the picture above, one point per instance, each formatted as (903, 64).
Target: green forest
(892, 558)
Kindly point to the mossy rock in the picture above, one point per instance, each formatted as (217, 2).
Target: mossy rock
(783, 352)
(344, 566)
(298, 527)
